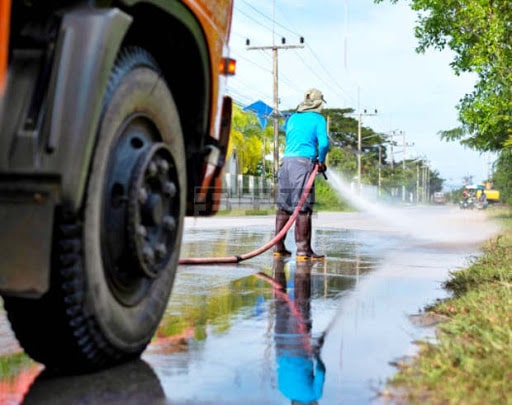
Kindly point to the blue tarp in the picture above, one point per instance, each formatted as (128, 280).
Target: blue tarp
(262, 111)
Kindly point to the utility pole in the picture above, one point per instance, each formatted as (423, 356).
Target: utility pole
(426, 180)
(275, 112)
(418, 181)
(404, 145)
(379, 184)
(392, 143)
(359, 147)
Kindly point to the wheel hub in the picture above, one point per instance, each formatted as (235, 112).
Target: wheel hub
(152, 211)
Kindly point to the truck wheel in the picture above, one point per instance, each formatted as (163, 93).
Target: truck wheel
(113, 266)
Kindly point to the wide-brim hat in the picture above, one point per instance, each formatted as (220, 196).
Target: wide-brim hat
(313, 101)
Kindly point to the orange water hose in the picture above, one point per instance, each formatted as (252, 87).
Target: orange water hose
(269, 244)
(294, 310)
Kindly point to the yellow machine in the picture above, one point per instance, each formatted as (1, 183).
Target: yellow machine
(491, 194)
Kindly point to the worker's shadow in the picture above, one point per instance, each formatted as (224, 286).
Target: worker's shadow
(300, 370)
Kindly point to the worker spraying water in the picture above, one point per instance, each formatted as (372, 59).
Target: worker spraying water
(280, 235)
(307, 143)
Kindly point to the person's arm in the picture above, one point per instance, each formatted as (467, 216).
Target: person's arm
(323, 140)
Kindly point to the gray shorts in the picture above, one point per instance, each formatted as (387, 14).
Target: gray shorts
(293, 176)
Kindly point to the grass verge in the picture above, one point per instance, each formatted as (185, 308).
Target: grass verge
(470, 362)
(326, 199)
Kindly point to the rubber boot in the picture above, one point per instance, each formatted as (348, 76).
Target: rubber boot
(303, 238)
(280, 250)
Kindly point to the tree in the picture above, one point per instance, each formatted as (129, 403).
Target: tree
(252, 144)
(502, 178)
(479, 33)
(249, 141)
(343, 131)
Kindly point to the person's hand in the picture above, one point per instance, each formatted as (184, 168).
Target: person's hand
(322, 167)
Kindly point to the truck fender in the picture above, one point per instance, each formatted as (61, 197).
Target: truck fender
(87, 45)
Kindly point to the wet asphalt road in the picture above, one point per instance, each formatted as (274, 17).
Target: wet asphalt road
(269, 331)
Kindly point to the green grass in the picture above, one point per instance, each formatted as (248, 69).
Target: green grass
(470, 362)
(326, 199)
(12, 364)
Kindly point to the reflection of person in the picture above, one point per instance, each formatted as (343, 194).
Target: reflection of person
(301, 372)
(307, 143)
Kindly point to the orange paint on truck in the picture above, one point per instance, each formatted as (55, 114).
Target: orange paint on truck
(5, 14)
(215, 19)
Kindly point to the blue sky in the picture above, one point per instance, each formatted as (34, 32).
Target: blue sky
(362, 56)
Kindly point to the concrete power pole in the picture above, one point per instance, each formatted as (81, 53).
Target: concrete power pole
(275, 112)
(404, 145)
(359, 147)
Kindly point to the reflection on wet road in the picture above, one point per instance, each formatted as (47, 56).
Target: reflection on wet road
(268, 330)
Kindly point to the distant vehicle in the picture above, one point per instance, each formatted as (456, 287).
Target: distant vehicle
(439, 198)
(492, 195)
(467, 203)
(114, 126)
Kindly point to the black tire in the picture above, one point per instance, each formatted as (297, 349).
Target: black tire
(114, 265)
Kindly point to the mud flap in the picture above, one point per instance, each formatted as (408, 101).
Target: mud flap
(25, 243)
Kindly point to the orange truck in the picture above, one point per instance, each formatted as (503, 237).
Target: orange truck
(114, 126)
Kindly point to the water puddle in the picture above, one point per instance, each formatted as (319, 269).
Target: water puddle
(276, 331)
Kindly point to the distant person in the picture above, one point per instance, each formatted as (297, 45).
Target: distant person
(300, 370)
(465, 194)
(307, 144)
(483, 199)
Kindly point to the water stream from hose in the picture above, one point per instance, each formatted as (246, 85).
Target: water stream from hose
(443, 224)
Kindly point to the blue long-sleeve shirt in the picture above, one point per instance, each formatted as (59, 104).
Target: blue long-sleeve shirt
(306, 136)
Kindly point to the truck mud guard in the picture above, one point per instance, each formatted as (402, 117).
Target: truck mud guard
(86, 50)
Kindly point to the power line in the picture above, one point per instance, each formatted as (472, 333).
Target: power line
(332, 83)
(268, 18)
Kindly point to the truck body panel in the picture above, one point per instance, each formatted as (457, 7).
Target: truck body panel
(114, 126)
(51, 104)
